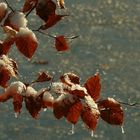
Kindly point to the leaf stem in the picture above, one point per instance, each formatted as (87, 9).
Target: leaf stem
(9, 6)
(30, 11)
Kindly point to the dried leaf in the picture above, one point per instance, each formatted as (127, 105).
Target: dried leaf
(61, 43)
(43, 77)
(26, 42)
(6, 45)
(74, 112)
(45, 8)
(4, 77)
(111, 111)
(93, 86)
(90, 117)
(34, 105)
(60, 109)
(28, 5)
(70, 78)
(51, 21)
(61, 3)
(17, 102)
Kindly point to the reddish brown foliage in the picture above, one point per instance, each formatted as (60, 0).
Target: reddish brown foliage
(90, 118)
(74, 112)
(93, 86)
(61, 43)
(111, 111)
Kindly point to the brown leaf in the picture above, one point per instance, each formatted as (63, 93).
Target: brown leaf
(90, 117)
(69, 78)
(26, 42)
(6, 45)
(17, 102)
(45, 8)
(51, 21)
(28, 5)
(60, 109)
(4, 77)
(74, 112)
(93, 86)
(61, 43)
(43, 77)
(111, 111)
(34, 105)
(61, 3)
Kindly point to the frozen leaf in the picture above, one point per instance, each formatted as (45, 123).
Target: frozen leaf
(61, 43)
(62, 105)
(61, 3)
(43, 77)
(111, 111)
(26, 42)
(70, 78)
(48, 100)
(16, 20)
(3, 10)
(9, 31)
(74, 112)
(78, 91)
(45, 8)
(93, 86)
(28, 5)
(90, 117)
(12, 90)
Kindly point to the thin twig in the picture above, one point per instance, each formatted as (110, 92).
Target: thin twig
(9, 6)
(30, 11)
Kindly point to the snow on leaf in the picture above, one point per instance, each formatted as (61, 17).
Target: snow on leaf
(45, 8)
(26, 42)
(7, 69)
(3, 10)
(61, 3)
(90, 114)
(111, 111)
(13, 89)
(93, 86)
(48, 100)
(70, 78)
(78, 91)
(61, 43)
(90, 117)
(16, 20)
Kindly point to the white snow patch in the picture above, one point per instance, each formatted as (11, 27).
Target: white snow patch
(48, 97)
(30, 91)
(3, 7)
(26, 32)
(16, 87)
(91, 103)
(18, 19)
